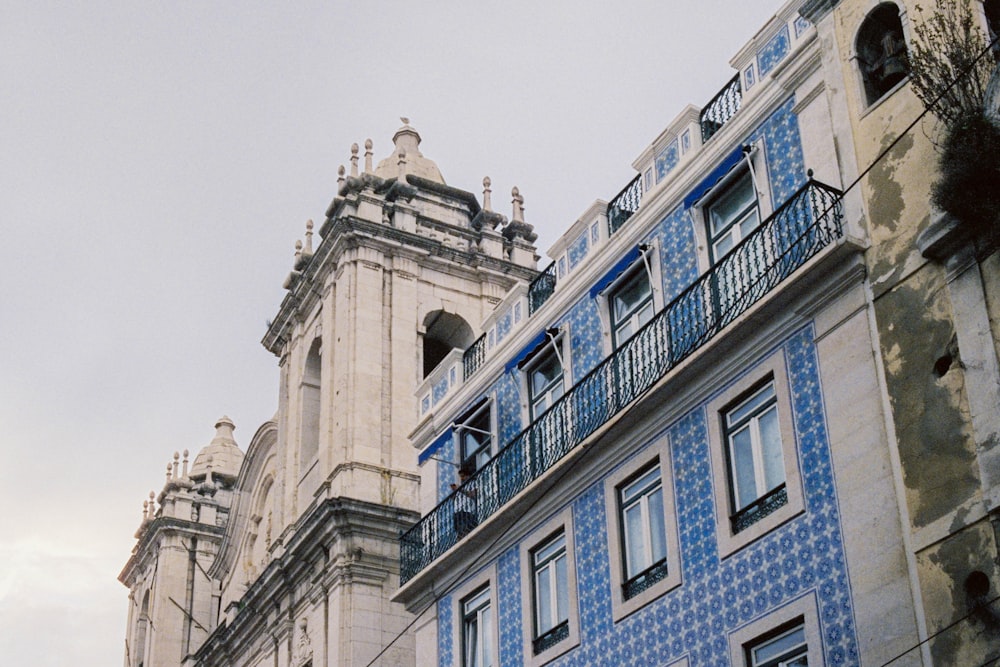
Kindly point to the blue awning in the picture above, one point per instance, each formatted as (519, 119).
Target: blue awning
(615, 271)
(525, 351)
(712, 179)
(431, 449)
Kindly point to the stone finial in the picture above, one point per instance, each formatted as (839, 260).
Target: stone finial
(309, 237)
(298, 251)
(177, 463)
(170, 468)
(152, 504)
(368, 156)
(402, 164)
(486, 194)
(145, 510)
(354, 160)
(518, 202)
(340, 177)
(184, 470)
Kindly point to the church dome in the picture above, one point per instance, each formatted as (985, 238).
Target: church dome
(222, 455)
(408, 139)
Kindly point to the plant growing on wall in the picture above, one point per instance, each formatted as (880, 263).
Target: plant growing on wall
(950, 69)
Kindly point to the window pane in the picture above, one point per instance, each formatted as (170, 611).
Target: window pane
(658, 534)
(743, 468)
(770, 441)
(634, 541)
(745, 409)
(730, 205)
(562, 591)
(544, 601)
(779, 645)
(486, 634)
(640, 485)
(471, 645)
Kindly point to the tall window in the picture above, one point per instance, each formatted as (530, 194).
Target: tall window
(881, 50)
(477, 630)
(631, 306)
(310, 397)
(757, 469)
(545, 381)
(475, 436)
(732, 216)
(644, 538)
(786, 649)
(551, 593)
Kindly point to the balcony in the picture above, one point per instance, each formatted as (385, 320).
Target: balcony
(624, 204)
(541, 288)
(474, 357)
(808, 222)
(722, 107)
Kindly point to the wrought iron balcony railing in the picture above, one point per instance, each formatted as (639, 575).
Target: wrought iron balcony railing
(541, 288)
(624, 204)
(474, 357)
(722, 107)
(808, 222)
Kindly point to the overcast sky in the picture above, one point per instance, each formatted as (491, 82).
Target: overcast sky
(158, 160)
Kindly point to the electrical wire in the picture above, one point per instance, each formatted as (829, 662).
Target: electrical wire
(945, 629)
(475, 560)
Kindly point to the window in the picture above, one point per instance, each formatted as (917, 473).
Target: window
(754, 455)
(881, 52)
(309, 393)
(756, 462)
(642, 528)
(787, 648)
(551, 593)
(643, 534)
(477, 630)
(631, 306)
(545, 381)
(732, 216)
(475, 436)
(550, 609)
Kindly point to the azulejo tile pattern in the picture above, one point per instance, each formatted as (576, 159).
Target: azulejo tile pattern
(802, 557)
(577, 251)
(783, 148)
(509, 614)
(445, 473)
(585, 331)
(678, 252)
(666, 160)
(503, 326)
(445, 633)
(508, 407)
(772, 53)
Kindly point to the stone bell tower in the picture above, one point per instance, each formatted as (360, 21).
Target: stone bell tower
(405, 269)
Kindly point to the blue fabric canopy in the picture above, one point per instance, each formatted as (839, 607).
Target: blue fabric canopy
(717, 175)
(525, 351)
(615, 271)
(431, 449)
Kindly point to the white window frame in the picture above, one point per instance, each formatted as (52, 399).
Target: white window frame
(657, 455)
(462, 428)
(648, 263)
(759, 631)
(485, 579)
(765, 395)
(563, 522)
(753, 165)
(541, 354)
(775, 367)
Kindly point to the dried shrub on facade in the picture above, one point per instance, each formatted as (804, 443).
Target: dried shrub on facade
(950, 69)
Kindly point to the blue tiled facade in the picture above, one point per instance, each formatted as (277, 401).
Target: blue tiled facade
(773, 52)
(803, 557)
(666, 160)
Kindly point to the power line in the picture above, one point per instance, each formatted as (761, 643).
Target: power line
(945, 629)
(882, 154)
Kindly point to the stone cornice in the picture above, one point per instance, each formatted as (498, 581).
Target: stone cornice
(308, 559)
(349, 231)
(156, 529)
